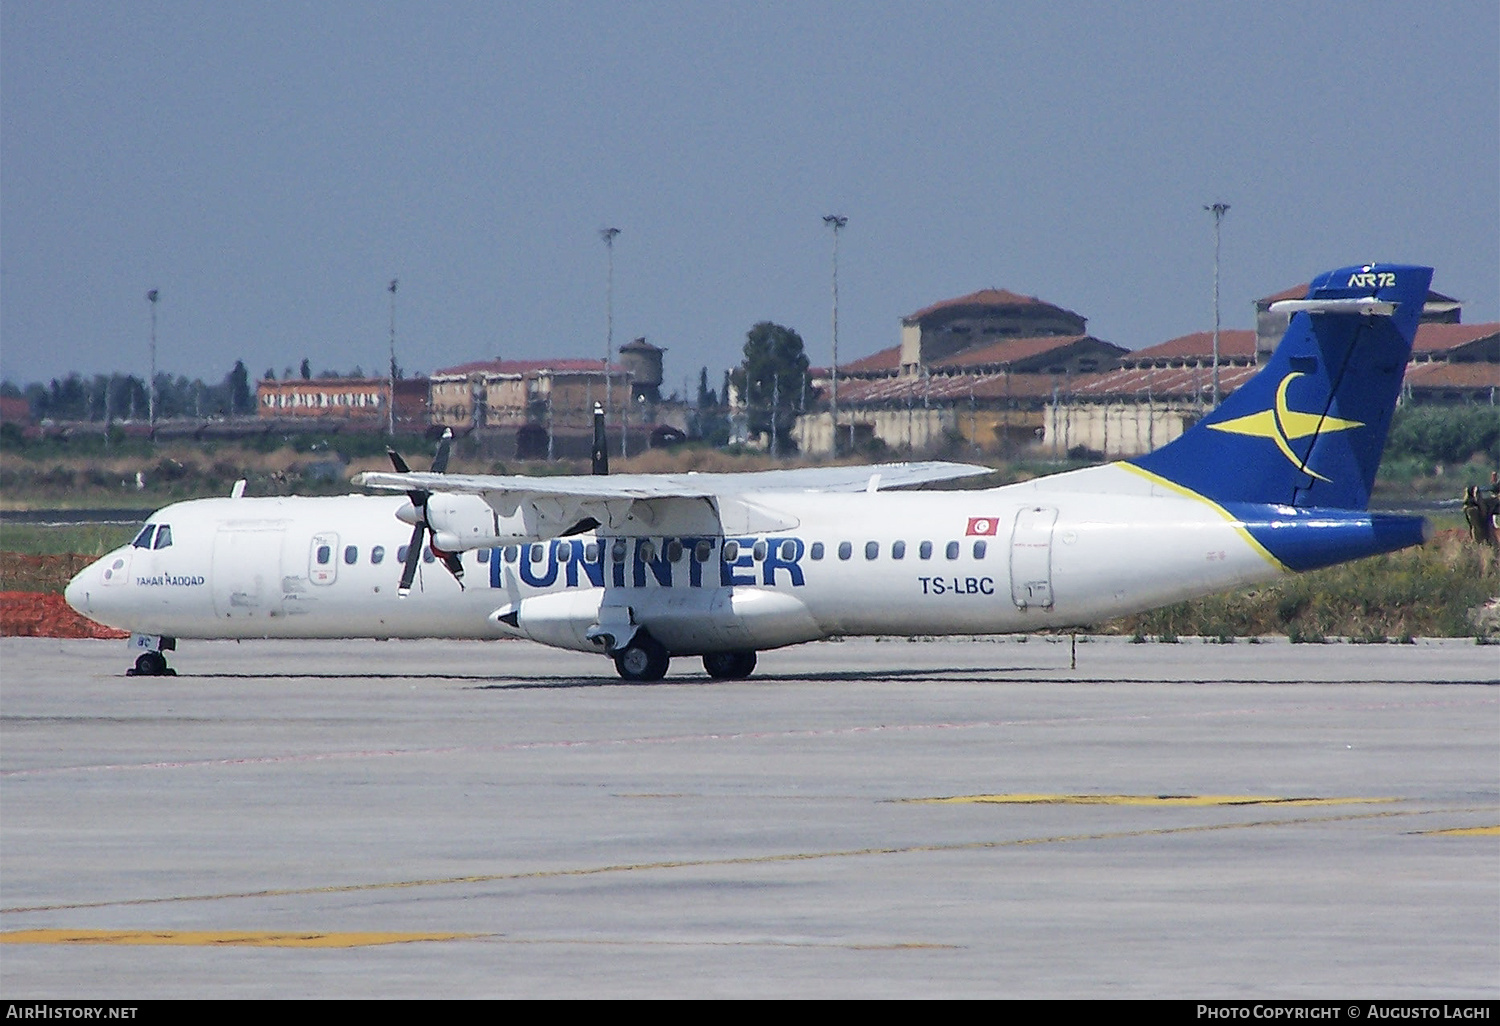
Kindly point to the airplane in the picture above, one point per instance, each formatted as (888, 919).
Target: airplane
(645, 568)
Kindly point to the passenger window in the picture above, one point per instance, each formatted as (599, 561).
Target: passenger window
(872, 550)
(674, 550)
(924, 551)
(401, 553)
(537, 552)
(788, 551)
(324, 555)
(564, 552)
(845, 550)
(164, 537)
(143, 540)
(898, 550)
(646, 550)
(979, 549)
(703, 550)
(351, 554)
(483, 555)
(427, 555)
(591, 552)
(759, 551)
(952, 551)
(377, 555)
(617, 550)
(731, 551)
(816, 552)
(511, 553)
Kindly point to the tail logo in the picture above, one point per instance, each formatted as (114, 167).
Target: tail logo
(1283, 425)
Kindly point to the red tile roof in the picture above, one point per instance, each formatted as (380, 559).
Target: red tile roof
(1453, 375)
(1161, 382)
(887, 361)
(984, 297)
(1239, 343)
(1442, 338)
(1233, 343)
(1013, 350)
(948, 389)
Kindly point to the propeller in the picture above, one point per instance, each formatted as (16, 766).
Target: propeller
(419, 498)
(600, 454)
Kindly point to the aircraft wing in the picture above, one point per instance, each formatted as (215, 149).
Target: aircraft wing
(473, 510)
(882, 476)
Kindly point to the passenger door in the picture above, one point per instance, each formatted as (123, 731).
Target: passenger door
(1031, 558)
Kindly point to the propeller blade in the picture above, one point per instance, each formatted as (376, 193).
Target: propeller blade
(454, 565)
(413, 556)
(600, 454)
(417, 496)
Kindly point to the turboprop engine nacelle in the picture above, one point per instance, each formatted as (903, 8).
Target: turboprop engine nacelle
(462, 522)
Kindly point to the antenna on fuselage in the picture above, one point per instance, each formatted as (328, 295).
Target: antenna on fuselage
(599, 457)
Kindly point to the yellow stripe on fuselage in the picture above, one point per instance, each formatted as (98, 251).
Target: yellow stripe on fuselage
(1211, 504)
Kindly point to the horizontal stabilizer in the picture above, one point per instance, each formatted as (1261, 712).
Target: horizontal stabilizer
(1368, 307)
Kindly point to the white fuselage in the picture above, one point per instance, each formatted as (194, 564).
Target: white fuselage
(1072, 549)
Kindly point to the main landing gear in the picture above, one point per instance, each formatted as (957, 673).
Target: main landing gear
(644, 659)
(729, 665)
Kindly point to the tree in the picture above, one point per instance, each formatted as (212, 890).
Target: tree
(237, 383)
(771, 380)
(306, 369)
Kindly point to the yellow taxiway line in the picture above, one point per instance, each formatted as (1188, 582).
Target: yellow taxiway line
(226, 938)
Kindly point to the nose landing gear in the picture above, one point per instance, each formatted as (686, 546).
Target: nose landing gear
(151, 662)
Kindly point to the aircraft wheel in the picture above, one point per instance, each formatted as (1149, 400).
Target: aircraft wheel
(643, 659)
(150, 664)
(729, 665)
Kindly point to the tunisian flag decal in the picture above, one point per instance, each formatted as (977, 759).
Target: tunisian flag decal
(982, 525)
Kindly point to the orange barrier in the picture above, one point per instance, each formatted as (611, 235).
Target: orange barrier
(30, 614)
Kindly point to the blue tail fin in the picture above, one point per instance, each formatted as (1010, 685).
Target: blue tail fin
(1308, 430)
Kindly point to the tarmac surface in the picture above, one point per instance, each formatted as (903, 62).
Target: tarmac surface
(874, 818)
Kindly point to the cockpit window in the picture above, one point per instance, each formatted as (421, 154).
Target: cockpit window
(163, 537)
(143, 540)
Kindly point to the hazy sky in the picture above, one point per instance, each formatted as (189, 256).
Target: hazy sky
(271, 166)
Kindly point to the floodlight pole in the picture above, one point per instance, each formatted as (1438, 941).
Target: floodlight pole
(390, 411)
(151, 297)
(836, 222)
(608, 235)
(1218, 210)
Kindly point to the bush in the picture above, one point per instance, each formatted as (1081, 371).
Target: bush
(1444, 434)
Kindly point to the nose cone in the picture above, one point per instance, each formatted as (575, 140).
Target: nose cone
(407, 513)
(77, 591)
